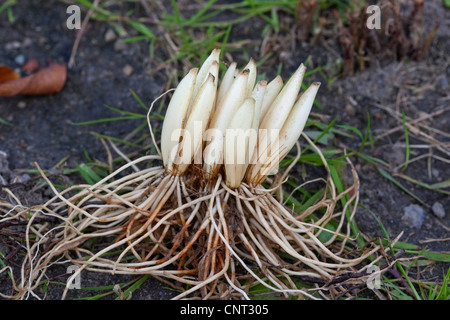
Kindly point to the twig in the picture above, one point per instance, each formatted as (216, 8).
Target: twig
(422, 118)
(435, 240)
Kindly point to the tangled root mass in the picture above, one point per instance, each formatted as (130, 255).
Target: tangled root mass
(202, 238)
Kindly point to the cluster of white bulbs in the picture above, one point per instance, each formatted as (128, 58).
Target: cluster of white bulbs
(239, 125)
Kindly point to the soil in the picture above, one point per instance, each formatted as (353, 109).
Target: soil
(42, 127)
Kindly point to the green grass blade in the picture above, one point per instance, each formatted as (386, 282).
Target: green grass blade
(388, 176)
(319, 137)
(142, 28)
(439, 187)
(104, 120)
(87, 156)
(7, 4)
(444, 292)
(109, 290)
(99, 135)
(399, 266)
(324, 132)
(397, 293)
(139, 100)
(201, 12)
(104, 13)
(134, 39)
(5, 122)
(372, 160)
(88, 174)
(134, 287)
(367, 135)
(355, 130)
(84, 174)
(225, 40)
(435, 256)
(128, 113)
(3, 265)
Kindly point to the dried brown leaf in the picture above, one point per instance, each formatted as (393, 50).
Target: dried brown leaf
(47, 81)
(7, 74)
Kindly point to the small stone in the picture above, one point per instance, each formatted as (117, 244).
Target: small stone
(119, 45)
(435, 173)
(413, 215)
(350, 110)
(127, 70)
(438, 210)
(396, 155)
(21, 104)
(110, 35)
(12, 45)
(20, 59)
(27, 42)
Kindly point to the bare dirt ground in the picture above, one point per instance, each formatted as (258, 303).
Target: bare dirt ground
(105, 71)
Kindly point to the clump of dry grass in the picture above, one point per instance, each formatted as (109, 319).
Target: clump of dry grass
(403, 32)
(203, 220)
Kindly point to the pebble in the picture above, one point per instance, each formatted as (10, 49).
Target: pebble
(119, 45)
(396, 156)
(110, 35)
(350, 110)
(12, 45)
(435, 173)
(20, 59)
(27, 42)
(127, 70)
(438, 210)
(21, 104)
(413, 215)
